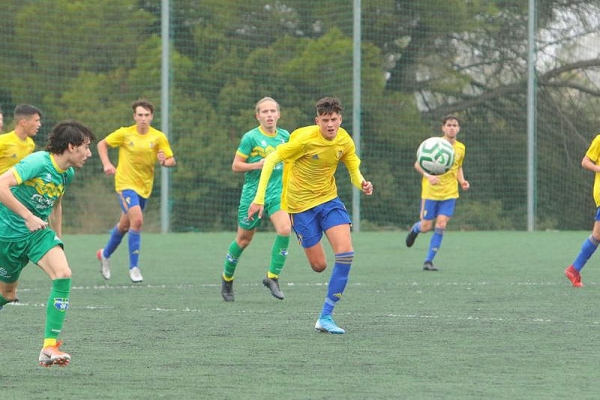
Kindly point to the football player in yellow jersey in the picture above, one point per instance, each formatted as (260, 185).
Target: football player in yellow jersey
(310, 196)
(17, 144)
(439, 194)
(140, 148)
(590, 162)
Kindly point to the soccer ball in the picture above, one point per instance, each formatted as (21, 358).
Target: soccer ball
(435, 155)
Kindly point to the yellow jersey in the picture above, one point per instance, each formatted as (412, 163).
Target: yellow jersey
(137, 158)
(447, 188)
(310, 162)
(13, 149)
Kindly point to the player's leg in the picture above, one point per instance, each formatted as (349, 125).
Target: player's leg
(134, 208)
(244, 235)
(335, 221)
(279, 251)
(234, 252)
(8, 293)
(443, 212)
(421, 226)
(116, 236)
(589, 246)
(12, 260)
(308, 231)
(49, 255)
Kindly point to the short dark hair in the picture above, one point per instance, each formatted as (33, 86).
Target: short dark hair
(68, 132)
(329, 105)
(142, 103)
(23, 111)
(449, 117)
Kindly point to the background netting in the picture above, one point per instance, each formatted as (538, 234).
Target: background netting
(88, 60)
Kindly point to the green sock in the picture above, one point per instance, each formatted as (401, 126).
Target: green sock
(233, 254)
(279, 253)
(57, 306)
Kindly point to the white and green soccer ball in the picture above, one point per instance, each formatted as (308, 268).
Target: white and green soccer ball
(435, 155)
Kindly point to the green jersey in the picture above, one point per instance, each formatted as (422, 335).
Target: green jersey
(254, 146)
(40, 183)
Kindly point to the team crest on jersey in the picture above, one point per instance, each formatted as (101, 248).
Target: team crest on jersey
(4, 273)
(48, 178)
(339, 154)
(61, 304)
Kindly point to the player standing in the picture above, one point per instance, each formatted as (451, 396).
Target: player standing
(31, 193)
(310, 197)
(439, 194)
(140, 147)
(590, 162)
(255, 145)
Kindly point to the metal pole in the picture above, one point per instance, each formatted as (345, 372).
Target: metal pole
(164, 100)
(531, 113)
(356, 109)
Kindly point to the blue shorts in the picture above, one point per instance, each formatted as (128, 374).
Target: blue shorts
(309, 225)
(129, 198)
(433, 208)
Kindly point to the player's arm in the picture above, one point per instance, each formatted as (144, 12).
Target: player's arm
(352, 163)
(589, 164)
(8, 180)
(433, 179)
(241, 164)
(257, 205)
(165, 161)
(460, 176)
(107, 166)
(55, 217)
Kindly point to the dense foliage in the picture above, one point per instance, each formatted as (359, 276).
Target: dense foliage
(420, 60)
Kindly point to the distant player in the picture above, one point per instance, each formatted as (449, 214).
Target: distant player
(310, 196)
(140, 148)
(439, 194)
(17, 144)
(31, 193)
(590, 161)
(255, 145)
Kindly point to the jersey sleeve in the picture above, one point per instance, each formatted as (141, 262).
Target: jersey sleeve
(270, 162)
(164, 145)
(245, 147)
(352, 163)
(593, 152)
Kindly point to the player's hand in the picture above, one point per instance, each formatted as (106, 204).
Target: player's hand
(433, 179)
(34, 223)
(161, 157)
(254, 209)
(109, 169)
(367, 188)
(465, 185)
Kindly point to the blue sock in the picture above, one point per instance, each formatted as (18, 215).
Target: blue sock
(337, 281)
(113, 242)
(435, 244)
(135, 242)
(416, 227)
(587, 249)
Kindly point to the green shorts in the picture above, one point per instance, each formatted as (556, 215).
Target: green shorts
(271, 207)
(14, 256)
